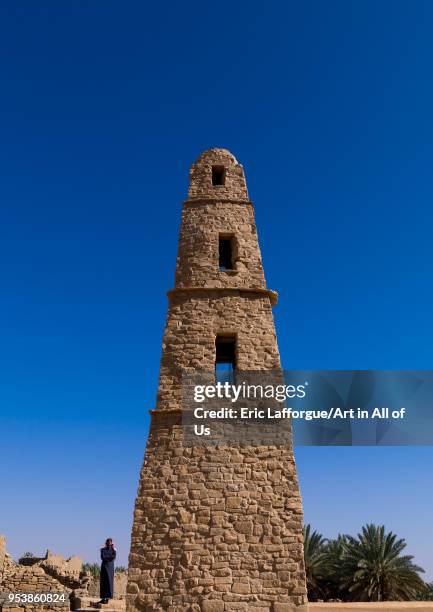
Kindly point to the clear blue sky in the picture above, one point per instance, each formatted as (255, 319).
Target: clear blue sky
(104, 105)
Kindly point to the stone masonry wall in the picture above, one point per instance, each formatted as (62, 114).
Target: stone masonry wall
(197, 259)
(216, 528)
(200, 177)
(30, 579)
(66, 570)
(2, 556)
(51, 574)
(189, 339)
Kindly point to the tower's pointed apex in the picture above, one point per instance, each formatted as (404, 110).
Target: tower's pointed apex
(217, 175)
(217, 152)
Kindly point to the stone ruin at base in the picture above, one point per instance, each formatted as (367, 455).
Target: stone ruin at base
(216, 528)
(54, 574)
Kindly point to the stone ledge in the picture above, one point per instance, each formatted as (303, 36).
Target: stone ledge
(213, 199)
(166, 411)
(272, 295)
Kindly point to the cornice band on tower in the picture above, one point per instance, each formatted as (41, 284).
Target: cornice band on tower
(272, 295)
(202, 201)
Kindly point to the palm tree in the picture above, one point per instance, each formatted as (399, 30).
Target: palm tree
(334, 554)
(373, 568)
(315, 560)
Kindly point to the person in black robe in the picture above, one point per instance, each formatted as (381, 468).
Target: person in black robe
(108, 554)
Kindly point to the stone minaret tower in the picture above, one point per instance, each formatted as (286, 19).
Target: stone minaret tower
(216, 528)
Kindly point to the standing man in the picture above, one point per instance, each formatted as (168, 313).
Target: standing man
(108, 554)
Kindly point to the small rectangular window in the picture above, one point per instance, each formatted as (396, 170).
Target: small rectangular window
(226, 252)
(218, 175)
(225, 358)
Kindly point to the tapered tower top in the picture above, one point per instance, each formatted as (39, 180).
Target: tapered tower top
(218, 244)
(217, 175)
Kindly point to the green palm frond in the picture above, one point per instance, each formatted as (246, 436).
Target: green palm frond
(373, 568)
